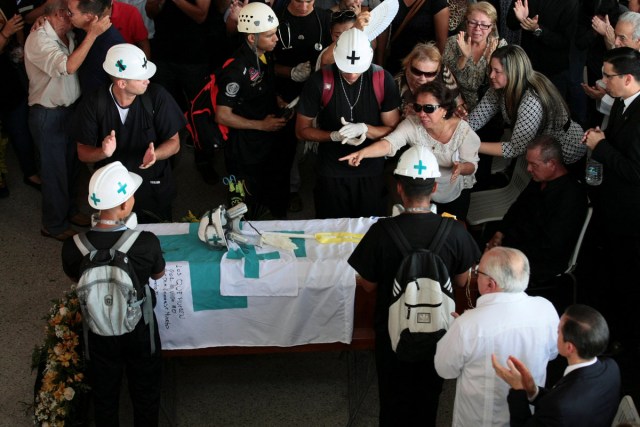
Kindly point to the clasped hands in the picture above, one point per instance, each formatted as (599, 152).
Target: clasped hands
(351, 133)
(109, 147)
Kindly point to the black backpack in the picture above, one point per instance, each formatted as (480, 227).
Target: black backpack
(207, 135)
(422, 298)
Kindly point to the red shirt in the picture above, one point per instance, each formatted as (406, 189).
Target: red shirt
(128, 22)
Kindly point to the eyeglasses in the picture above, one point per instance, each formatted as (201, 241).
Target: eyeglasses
(427, 108)
(343, 16)
(418, 73)
(610, 76)
(477, 272)
(479, 24)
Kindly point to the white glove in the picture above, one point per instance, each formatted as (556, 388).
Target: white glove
(335, 136)
(355, 141)
(352, 130)
(301, 72)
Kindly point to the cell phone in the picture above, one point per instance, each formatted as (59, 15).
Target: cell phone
(287, 112)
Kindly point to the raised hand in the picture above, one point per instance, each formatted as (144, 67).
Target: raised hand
(109, 144)
(149, 158)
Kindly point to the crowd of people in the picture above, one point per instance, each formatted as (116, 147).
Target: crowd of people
(102, 81)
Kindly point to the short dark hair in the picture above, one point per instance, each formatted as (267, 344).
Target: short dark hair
(624, 60)
(95, 7)
(550, 148)
(446, 97)
(586, 329)
(416, 188)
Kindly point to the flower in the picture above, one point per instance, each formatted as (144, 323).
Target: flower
(59, 401)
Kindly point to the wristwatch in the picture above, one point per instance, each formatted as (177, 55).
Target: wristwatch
(537, 31)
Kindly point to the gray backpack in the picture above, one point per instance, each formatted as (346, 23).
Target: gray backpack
(111, 298)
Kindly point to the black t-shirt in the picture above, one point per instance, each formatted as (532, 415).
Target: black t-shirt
(145, 255)
(298, 37)
(91, 126)
(377, 258)
(248, 87)
(91, 74)
(180, 39)
(365, 110)
(421, 28)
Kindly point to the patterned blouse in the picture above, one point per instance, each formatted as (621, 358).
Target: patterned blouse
(472, 76)
(527, 125)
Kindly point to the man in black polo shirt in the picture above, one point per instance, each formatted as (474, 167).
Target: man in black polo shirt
(135, 122)
(247, 105)
(362, 107)
(409, 391)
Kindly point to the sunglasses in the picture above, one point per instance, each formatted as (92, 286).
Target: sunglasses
(418, 73)
(343, 16)
(427, 108)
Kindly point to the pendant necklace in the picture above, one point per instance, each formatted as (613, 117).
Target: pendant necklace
(351, 107)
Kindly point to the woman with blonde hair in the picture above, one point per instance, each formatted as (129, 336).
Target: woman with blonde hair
(422, 65)
(529, 102)
(467, 54)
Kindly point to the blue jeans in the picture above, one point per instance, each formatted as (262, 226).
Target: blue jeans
(58, 164)
(15, 124)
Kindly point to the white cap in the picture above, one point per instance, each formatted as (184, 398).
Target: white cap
(418, 162)
(353, 52)
(126, 61)
(112, 185)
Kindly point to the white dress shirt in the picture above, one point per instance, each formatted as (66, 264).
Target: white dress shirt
(504, 324)
(45, 59)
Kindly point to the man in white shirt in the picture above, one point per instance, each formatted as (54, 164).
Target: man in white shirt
(52, 58)
(588, 393)
(505, 322)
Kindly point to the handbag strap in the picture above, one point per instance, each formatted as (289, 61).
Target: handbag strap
(414, 9)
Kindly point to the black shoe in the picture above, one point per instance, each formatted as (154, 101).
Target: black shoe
(4, 189)
(32, 184)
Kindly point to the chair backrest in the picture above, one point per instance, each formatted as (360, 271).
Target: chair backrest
(627, 412)
(576, 250)
(492, 205)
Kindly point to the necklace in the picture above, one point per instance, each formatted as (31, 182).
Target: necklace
(351, 107)
(424, 209)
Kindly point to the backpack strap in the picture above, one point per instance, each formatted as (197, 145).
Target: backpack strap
(123, 245)
(125, 241)
(84, 245)
(327, 85)
(397, 236)
(441, 235)
(378, 84)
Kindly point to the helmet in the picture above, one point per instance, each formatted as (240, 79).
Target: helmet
(127, 61)
(214, 227)
(256, 18)
(112, 185)
(219, 226)
(353, 53)
(418, 162)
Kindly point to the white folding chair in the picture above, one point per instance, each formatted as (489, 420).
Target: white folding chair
(573, 261)
(627, 413)
(492, 205)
